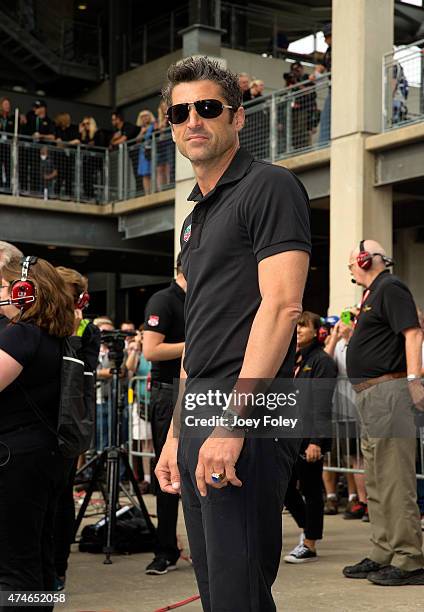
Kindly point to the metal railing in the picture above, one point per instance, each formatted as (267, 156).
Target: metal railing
(60, 171)
(403, 86)
(288, 122)
(247, 28)
(285, 123)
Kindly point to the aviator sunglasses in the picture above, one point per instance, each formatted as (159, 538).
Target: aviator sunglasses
(208, 109)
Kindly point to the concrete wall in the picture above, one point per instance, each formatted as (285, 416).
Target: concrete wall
(409, 257)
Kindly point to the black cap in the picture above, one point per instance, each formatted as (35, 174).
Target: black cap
(39, 103)
(326, 30)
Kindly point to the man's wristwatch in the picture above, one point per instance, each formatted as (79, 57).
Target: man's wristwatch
(412, 377)
(228, 414)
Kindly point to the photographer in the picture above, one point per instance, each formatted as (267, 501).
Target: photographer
(32, 470)
(86, 341)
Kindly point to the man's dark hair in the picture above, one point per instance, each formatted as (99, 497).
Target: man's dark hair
(307, 318)
(297, 64)
(117, 114)
(203, 69)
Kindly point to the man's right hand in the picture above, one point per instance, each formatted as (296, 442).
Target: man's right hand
(166, 470)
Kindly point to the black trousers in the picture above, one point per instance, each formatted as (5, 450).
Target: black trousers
(65, 520)
(162, 406)
(306, 503)
(235, 533)
(29, 487)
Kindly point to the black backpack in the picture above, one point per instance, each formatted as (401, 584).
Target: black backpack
(77, 407)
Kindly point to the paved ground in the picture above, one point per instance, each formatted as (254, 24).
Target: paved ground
(313, 587)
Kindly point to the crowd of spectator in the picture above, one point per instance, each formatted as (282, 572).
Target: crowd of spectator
(47, 151)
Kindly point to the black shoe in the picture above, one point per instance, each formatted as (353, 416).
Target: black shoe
(394, 576)
(160, 566)
(355, 511)
(301, 554)
(361, 569)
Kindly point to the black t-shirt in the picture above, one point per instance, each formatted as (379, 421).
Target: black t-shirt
(98, 140)
(129, 130)
(67, 134)
(377, 345)
(164, 314)
(41, 358)
(43, 126)
(256, 210)
(3, 322)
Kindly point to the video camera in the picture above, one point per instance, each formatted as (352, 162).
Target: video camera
(115, 341)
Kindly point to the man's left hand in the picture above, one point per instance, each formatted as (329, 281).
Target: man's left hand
(218, 455)
(416, 390)
(313, 453)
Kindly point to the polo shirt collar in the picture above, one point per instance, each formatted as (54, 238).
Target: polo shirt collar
(237, 169)
(378, 279)
(180, 293)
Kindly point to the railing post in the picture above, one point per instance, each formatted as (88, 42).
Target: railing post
(289, 135)
(153, 164)
(120, 169)
(233, 27)
(273, 129)
(106, 175)
(78, 174)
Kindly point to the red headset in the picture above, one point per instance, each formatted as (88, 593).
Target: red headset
(22, 292)
(83, 300)
(322, 334)
(364, 258)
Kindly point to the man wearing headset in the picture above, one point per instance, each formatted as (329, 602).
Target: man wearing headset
(384, 365)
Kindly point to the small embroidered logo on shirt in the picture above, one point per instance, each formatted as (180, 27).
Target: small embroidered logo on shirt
(187, 233)
(153, 320)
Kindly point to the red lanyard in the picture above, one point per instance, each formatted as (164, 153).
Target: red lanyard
(365, 296)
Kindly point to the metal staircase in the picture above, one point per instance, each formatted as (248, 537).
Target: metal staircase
(42, 64)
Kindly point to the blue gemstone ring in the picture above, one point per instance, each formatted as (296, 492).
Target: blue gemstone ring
(217, 477)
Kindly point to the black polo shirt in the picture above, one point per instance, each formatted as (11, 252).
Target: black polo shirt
(165, 314)
(256, 210)
(3, 322)
(377, 345)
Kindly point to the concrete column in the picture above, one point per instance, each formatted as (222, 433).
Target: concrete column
(362, 33)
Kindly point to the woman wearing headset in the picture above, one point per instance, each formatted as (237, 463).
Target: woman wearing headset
(32, 470)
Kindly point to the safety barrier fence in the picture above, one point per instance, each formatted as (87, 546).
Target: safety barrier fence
(403, 86)
(345, 457)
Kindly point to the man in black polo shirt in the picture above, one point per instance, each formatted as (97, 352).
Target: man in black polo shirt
(245, 255)
(384, 365)
(163, 345)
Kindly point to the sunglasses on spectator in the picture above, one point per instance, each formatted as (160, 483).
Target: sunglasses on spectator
(207, 109)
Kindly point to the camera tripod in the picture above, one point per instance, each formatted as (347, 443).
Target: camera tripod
(112, 456)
